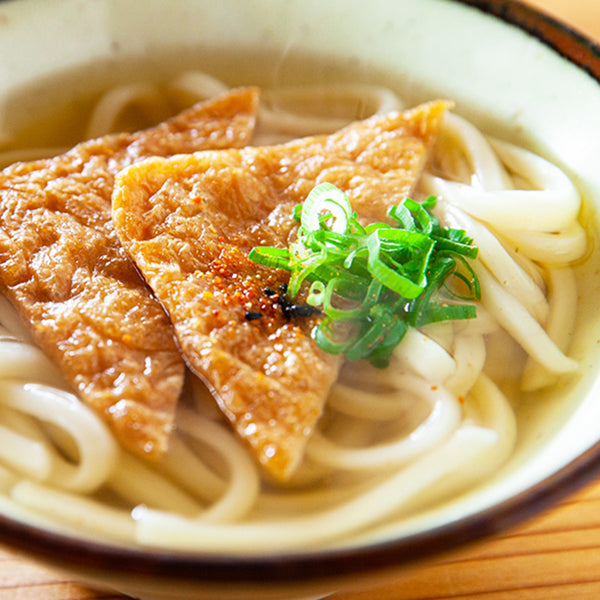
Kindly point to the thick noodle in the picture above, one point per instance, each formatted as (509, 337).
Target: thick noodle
(391, 442)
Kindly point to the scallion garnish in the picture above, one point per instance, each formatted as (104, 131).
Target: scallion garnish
(372, 282)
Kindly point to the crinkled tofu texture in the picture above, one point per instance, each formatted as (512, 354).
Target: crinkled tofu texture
(63, 267)
(189, 223)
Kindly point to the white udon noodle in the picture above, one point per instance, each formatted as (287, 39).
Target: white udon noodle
(435, 425)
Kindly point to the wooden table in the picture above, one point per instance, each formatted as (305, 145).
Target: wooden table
(582, 14)
(553, 557)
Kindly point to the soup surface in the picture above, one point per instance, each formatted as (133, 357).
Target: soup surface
(390, 443)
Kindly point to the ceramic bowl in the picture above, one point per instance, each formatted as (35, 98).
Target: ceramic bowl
(513, 71)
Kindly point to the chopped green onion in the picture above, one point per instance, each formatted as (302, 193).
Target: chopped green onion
(278, 258)
(392, 273)
(326, 199)
(316, 294)
(372, 282)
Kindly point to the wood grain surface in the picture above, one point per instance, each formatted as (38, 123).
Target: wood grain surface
(555, 556)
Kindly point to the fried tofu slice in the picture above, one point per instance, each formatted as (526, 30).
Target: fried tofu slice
(63, 268)
(189, 223)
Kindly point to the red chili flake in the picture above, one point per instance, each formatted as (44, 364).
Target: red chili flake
(434, 388)
(461, 400)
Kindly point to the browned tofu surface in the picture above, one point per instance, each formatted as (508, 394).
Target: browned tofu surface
(189, 223)
(63, 267)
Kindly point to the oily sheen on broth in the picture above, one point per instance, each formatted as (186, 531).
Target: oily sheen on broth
(389, 442)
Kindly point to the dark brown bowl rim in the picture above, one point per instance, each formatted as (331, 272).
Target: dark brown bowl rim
(95, 557)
